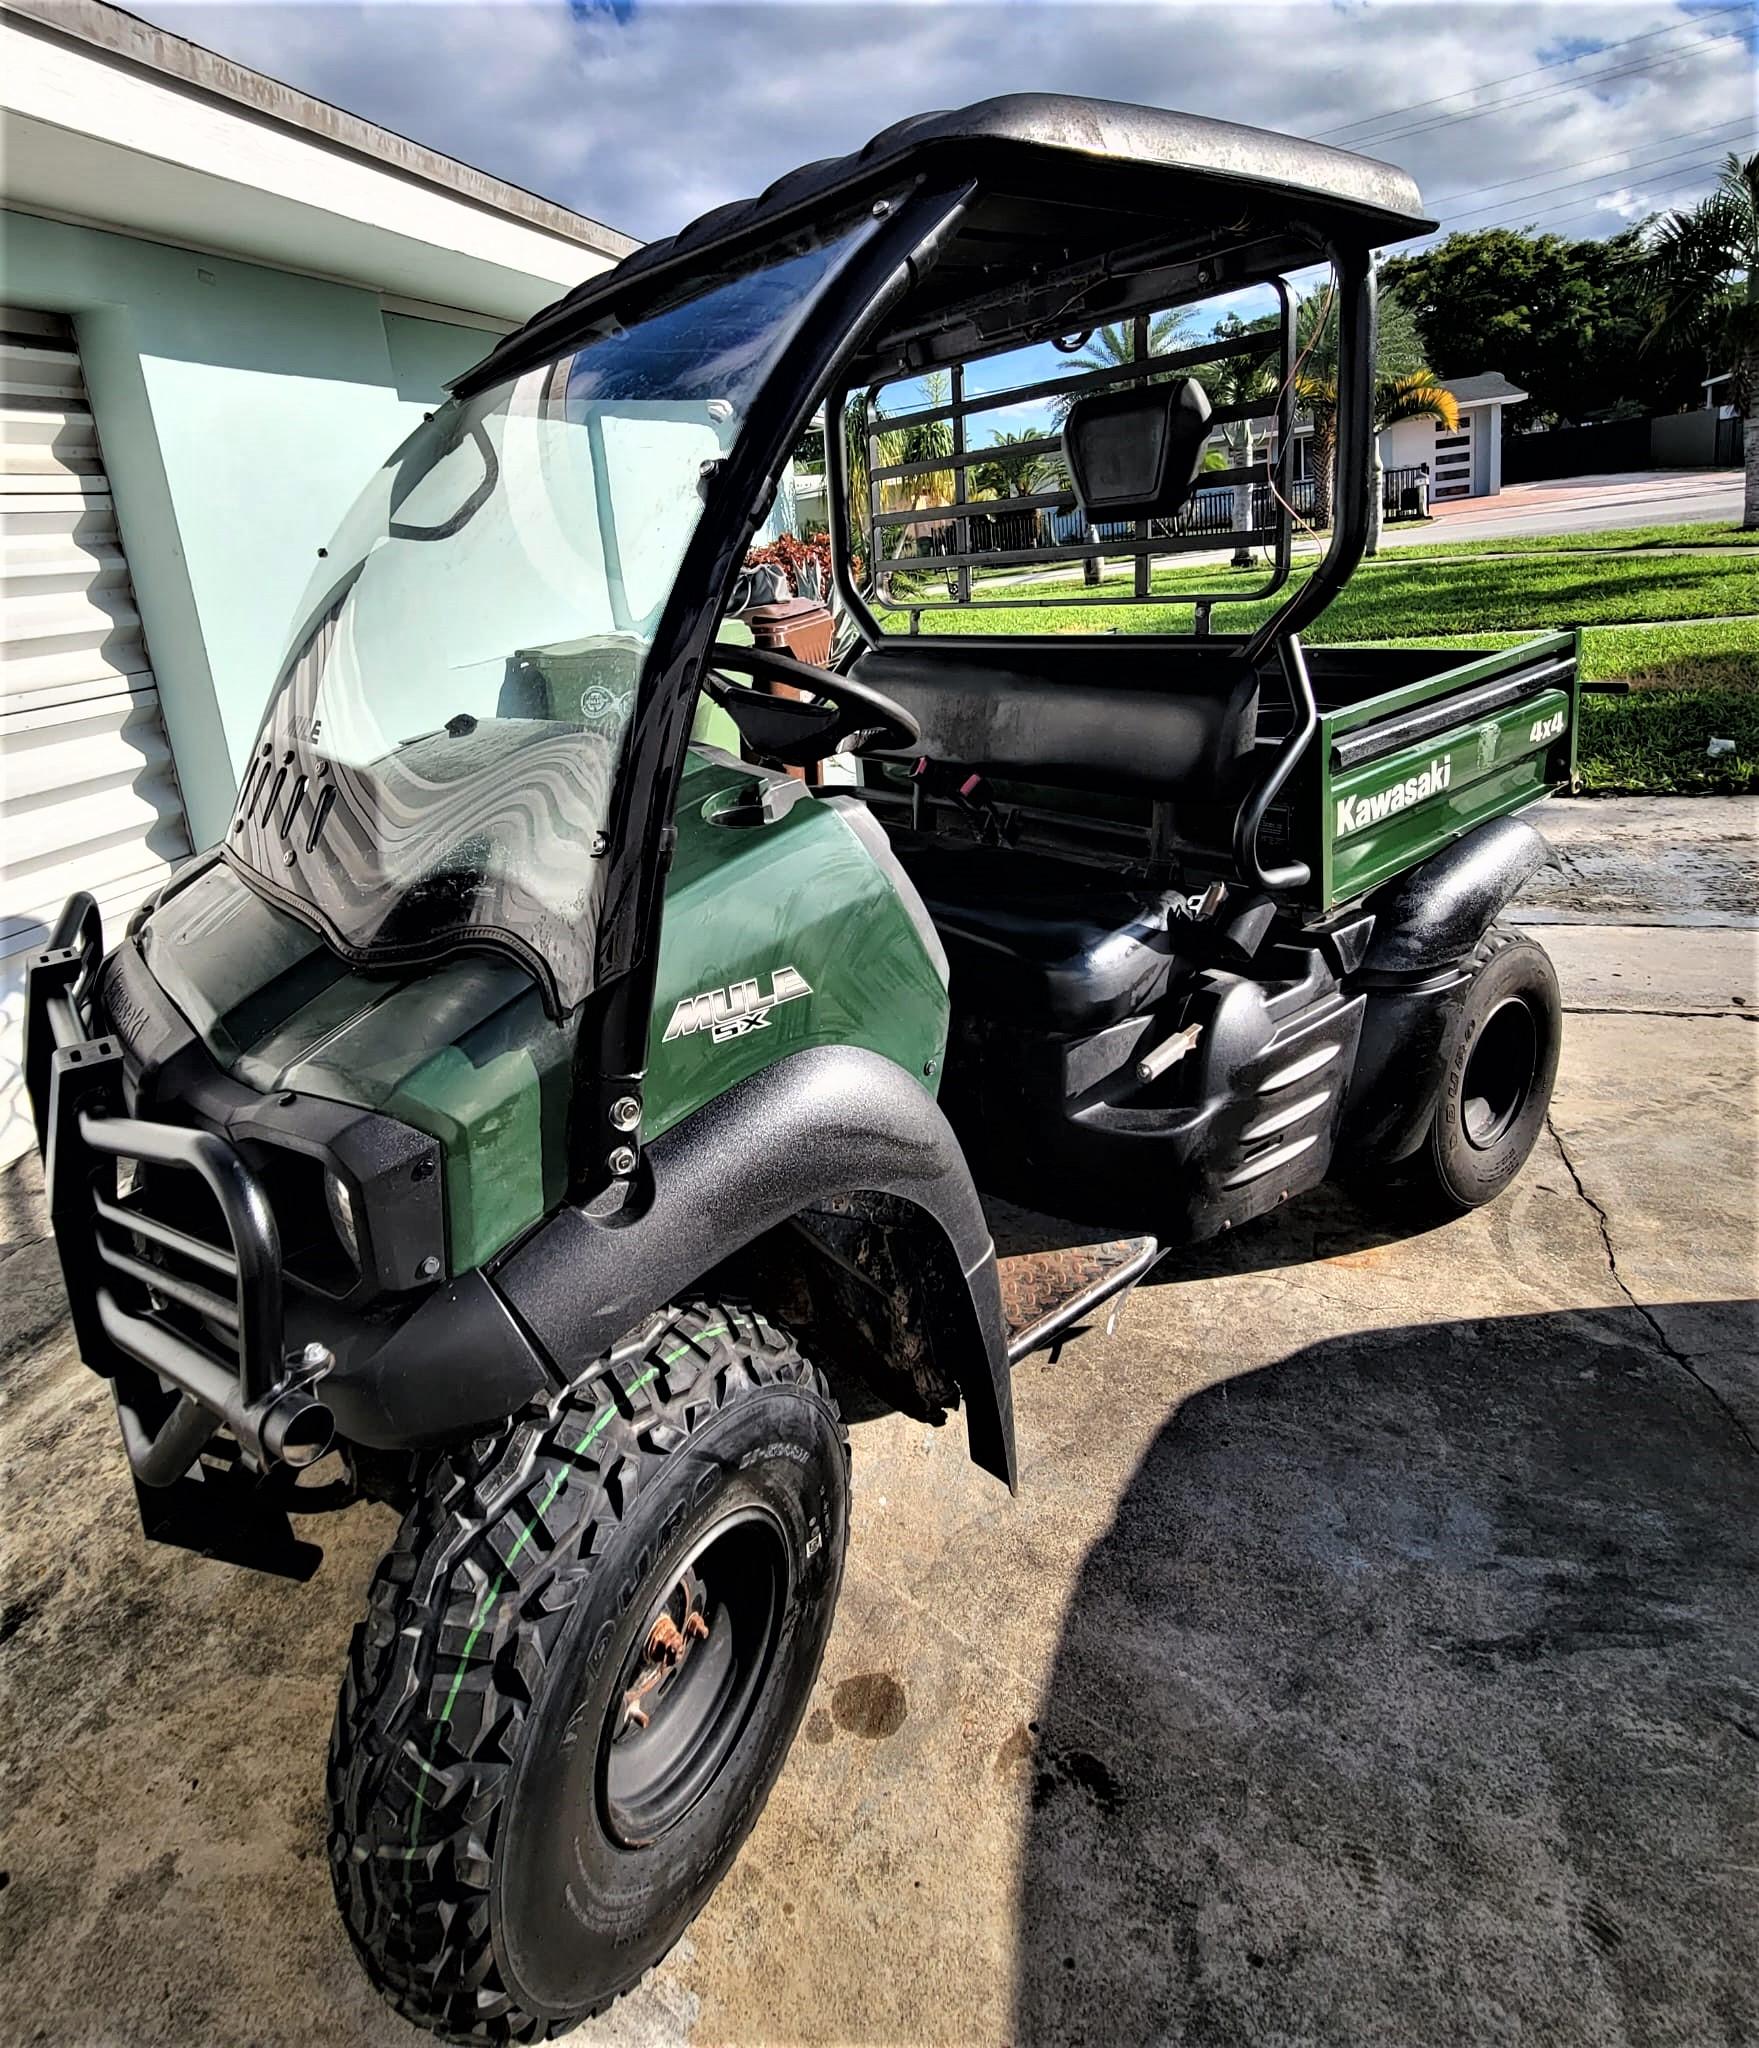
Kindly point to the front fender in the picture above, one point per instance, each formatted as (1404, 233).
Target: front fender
(822, 1123)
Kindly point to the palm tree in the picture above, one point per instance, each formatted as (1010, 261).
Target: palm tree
(1404, 389)
(920, 443)
(1242, 379)
(1005, 474)
(1704, 269)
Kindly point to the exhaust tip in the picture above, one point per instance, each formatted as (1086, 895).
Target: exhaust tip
(299, 1431)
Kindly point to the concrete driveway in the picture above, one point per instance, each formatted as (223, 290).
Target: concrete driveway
(1582, 504)
(1370, 1657)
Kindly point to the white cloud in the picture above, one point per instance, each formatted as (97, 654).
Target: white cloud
(645, 116)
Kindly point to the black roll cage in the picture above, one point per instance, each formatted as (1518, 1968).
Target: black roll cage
(917, 222)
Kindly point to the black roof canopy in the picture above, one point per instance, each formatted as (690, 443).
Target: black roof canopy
(1065, 183)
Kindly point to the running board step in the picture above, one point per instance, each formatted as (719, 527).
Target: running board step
(1046, 1292)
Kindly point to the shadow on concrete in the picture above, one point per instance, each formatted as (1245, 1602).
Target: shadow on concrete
(1320, 1224)
(1412, 1696)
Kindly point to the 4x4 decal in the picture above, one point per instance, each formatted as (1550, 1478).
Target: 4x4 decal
(733, 1011)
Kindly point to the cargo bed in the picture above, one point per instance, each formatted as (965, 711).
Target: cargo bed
(1415, 746)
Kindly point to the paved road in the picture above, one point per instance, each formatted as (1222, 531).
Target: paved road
(1369, 1658)
(1583, 504)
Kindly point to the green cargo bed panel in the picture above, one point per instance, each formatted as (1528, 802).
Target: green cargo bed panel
(1406, 762)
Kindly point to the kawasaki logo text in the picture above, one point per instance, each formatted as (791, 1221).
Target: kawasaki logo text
(733, 1011)
(1356, 811)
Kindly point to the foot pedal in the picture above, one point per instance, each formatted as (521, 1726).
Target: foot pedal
(1047, 1291)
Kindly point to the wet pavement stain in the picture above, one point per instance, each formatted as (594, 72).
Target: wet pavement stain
(872, 1705)
(1081, 1770)
(818, 1726)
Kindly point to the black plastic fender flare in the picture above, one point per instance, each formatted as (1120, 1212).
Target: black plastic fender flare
(1428, 926)
(834, 1120)
(1433, 917)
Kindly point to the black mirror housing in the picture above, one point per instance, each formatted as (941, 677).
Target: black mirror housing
(1137, 454)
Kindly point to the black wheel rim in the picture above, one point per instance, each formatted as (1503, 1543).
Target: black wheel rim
(1499, 1073)
(696, 1670)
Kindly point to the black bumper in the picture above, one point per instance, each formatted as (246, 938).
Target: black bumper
(184, 1318)
(182, 1296)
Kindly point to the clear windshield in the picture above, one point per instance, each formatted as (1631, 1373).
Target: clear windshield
(439, 756)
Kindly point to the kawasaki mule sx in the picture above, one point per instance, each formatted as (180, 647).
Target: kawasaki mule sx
(596, 1025)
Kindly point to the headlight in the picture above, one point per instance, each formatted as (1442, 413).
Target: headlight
(340, 1203)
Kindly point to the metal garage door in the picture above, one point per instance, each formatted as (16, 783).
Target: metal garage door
(88, 794)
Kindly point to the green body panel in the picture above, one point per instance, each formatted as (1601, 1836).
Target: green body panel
(1359, 826)
(465, 1052)
(743, 902)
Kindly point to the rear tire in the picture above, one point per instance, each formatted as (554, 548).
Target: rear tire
(1499, 1065)
(582, 1665)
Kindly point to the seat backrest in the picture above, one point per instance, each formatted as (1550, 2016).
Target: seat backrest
(1151, 717)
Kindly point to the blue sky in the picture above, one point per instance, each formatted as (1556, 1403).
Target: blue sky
(643, 113)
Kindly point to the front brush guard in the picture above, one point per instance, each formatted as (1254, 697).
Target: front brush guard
(142, 1290)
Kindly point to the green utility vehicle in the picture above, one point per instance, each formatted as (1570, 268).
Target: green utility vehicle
(588, 1045)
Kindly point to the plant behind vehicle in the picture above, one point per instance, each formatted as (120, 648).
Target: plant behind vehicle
(1706, 289)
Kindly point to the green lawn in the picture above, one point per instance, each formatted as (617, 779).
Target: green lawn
(1682, 629)
(1700, 533)
(1722, 653)
(1656, 743)
(1397, 597)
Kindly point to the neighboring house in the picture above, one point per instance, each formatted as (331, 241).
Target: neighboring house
(221, 305)
(1719, 395)
(1465, 462)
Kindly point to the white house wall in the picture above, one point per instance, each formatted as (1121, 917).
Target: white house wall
(87, 786)
(242, 409)
(1408, 443)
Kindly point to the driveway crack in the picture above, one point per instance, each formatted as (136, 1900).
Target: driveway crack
(1663, 1342)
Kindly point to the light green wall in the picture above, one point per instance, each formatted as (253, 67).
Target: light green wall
(241, 410)
(427, 354)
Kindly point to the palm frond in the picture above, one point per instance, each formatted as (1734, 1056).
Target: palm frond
(1698, 257)
(1416, 396)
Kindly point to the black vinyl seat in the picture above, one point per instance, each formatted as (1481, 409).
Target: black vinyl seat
(1148, 717)
(1045, 943)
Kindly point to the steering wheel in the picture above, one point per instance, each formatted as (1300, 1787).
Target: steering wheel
(851, 718)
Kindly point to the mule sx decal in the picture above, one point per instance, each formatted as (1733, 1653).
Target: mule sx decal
(733, 1011)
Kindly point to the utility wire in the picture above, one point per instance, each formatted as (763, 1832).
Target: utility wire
(1551, 92)
(1695, 135)
(1576, 209)
(1598, 178)
(1513, 77)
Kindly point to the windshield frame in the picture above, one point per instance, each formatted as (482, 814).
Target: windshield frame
(319, 892)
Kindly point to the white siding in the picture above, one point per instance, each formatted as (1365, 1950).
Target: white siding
(88, 793)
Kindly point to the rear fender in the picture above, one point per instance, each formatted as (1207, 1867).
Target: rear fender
(1432, 918)
(1428, 926)
(809, 1132)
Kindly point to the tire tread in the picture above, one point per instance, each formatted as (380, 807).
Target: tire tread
(463, 1614)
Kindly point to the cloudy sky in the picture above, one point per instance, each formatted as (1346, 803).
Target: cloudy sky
(1577, 116)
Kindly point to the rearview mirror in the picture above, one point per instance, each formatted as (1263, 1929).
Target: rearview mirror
(1136, 454)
